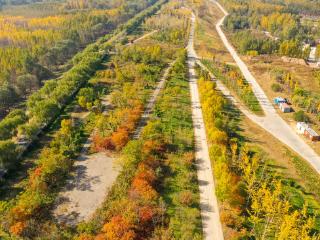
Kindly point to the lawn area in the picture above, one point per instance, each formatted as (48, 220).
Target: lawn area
(180, 186)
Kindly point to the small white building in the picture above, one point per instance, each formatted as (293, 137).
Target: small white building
(284, 107)
(302, 127)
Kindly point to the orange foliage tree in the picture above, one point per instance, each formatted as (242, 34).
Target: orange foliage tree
(119, 228)
(17, 228)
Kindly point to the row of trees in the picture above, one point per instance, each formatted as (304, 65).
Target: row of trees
(123, 122)
(144, 187)
(247, 188)
(135, 69)
(138, 212)
(233, 79)
(24, 214)
(46, 104)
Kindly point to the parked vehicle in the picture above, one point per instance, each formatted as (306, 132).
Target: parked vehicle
(279, 100)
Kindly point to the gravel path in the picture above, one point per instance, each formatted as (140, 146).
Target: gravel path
(271, 122)
(208, 202)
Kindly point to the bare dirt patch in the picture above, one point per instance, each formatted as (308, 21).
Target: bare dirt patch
(93, 175)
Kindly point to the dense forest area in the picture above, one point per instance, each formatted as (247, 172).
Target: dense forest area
(272, 27)
(34, 49)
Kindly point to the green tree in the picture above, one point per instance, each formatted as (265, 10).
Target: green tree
(8, 156)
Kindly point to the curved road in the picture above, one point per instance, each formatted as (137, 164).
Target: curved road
(211, 224)
(271, 122)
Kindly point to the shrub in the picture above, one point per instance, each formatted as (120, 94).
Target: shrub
(252, 53)
(9, 124)
(8, 156)
(186, 198)
(300, 116)
(276, 87)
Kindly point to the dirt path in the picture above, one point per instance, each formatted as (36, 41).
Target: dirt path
(208, 202)
(143, 37)
(271, 122)
(150, 105)
(94, 174)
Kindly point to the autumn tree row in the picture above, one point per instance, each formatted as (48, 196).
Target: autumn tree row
(248, 189)
(233, 79)
(19, 215)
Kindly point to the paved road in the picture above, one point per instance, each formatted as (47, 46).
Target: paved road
(208, 202)
(271, 122)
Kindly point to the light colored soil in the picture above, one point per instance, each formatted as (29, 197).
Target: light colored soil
(93, 175)
(211, 224)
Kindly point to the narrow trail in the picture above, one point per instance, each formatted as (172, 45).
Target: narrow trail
(143, 37)
(271, 121)
(150, 105)
(211, 223)
(94, 174)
